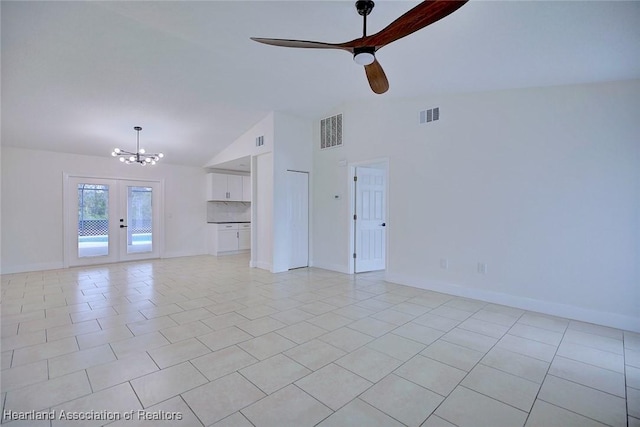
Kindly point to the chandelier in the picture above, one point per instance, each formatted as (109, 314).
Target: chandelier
(140, 156)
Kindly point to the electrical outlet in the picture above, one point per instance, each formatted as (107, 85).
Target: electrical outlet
(444, 263)
(482, 268)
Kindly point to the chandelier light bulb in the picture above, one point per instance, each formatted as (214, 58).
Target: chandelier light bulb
(122, 159)
(141, 151)
(160, 155)
(117, 150)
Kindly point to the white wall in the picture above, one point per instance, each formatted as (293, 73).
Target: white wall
(292, 151)
(287, 145)
(541, 184)
(245, 145)
(32, 210)
(262, 208)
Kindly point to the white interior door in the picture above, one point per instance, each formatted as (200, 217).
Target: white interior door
(298, 212)
(370, 226)
(109, 220)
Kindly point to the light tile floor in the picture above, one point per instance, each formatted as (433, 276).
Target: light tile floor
(222, 344)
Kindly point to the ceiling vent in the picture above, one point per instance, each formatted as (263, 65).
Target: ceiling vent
(260, 141)
(331, 132)
(431, 115)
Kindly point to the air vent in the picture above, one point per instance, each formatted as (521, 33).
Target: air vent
(331, 132)
(260, 141)
(431, 115)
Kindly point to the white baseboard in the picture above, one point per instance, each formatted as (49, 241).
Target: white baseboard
(179, 254)
(12, 269)
(613, 320)
(263, 265)
(332, 267)
(244, 251)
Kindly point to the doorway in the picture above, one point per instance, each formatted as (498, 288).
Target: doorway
(111, 220)
(298, 217)
(369, 224)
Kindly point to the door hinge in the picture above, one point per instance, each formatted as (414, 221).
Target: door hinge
(354, 256)
(355, 217)
(355, 178)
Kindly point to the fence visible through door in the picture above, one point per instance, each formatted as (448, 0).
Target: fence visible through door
(109, 220)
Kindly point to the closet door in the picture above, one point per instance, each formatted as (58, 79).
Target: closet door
(298, 212)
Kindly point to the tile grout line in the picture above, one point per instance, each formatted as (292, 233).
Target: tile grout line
(547, 373)
(468, 372)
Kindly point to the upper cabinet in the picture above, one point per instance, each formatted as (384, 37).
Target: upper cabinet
(216, 186)
(234, 188)
(246, 188)
(223, 187)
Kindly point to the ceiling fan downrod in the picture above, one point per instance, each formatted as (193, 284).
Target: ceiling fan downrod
(364, 8)
(364, 55)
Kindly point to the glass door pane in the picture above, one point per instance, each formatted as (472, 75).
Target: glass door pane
(139, 219)
(93, 220)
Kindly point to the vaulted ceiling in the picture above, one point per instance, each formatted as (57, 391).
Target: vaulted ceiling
(78, 76)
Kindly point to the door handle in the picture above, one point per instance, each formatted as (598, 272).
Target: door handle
(123, 226)
(384, 224)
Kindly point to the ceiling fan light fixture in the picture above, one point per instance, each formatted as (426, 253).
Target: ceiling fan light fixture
(364, 55)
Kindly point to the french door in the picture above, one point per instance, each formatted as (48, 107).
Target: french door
(110, 220)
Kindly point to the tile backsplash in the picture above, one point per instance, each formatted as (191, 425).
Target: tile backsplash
(228, 211)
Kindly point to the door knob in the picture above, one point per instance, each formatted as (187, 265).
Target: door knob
(384, 224)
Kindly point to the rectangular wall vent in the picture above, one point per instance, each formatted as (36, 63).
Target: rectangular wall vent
(431, 115)
(331, 132)
(260, 141)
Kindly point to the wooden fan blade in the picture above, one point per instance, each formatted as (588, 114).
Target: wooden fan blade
(301, 44)
(377, 78)
(426, 13)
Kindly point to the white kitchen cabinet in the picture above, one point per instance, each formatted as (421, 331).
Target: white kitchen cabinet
(244, 237)
(223, 187)
(229, 238)
(246, 188)
(234, 187)
(216, 186)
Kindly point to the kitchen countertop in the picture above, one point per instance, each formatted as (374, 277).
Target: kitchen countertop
(228, 222)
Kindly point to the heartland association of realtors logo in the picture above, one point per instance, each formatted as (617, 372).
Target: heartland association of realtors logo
(136, 414)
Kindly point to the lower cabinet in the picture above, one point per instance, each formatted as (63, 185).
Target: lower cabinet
(244, 237)
(229, 238)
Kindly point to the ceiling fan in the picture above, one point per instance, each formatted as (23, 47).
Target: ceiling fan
(364, 48)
